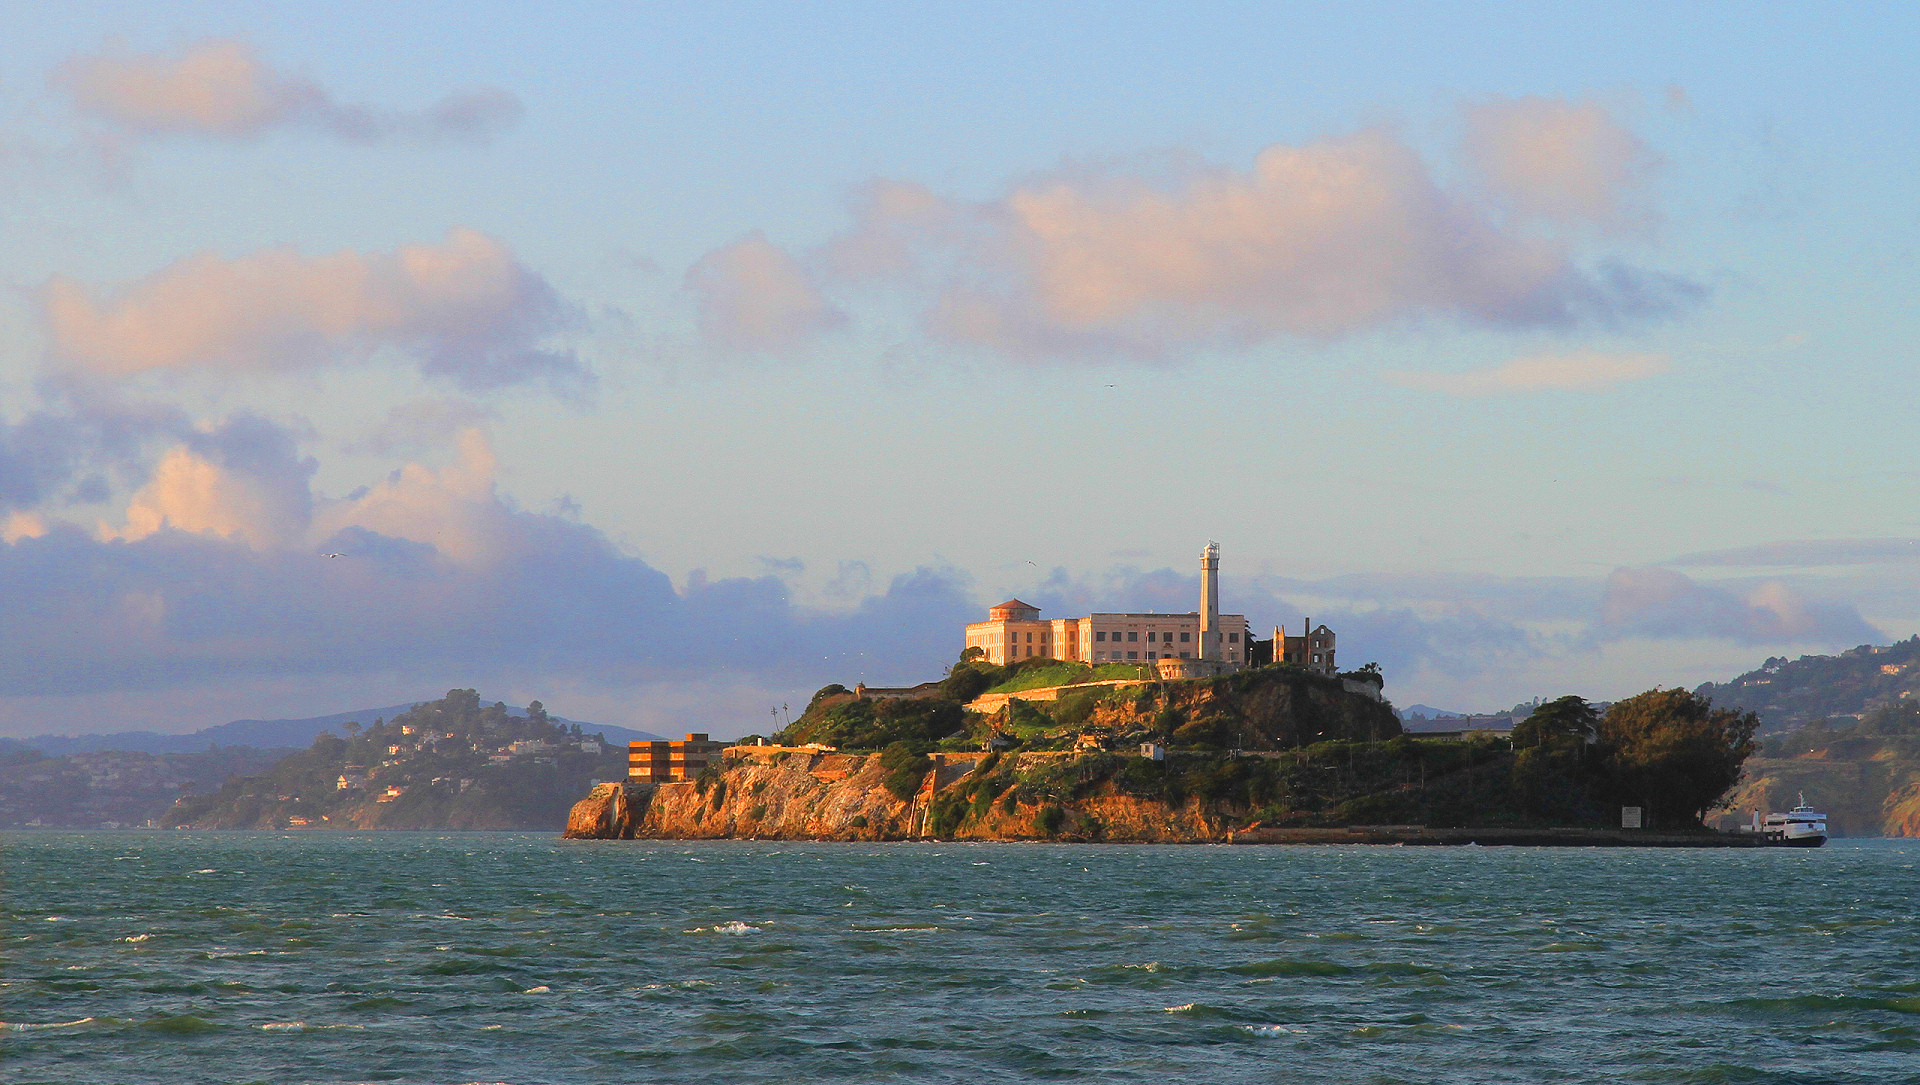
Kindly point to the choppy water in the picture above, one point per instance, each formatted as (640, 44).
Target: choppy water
(157, 957)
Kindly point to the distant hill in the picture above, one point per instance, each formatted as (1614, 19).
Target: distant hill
(267, 734)
(448, 764)
(110, 789)
(1428, 712)
(1791, 693)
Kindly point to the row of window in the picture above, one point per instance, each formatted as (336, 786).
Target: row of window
(1185, 638)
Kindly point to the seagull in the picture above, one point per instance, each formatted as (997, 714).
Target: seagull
(332, 555)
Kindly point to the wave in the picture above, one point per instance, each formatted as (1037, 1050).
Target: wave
(1289, 967)
(1820, 1004)
(1275, 1030)
(1201, 1010)
(29, 1026)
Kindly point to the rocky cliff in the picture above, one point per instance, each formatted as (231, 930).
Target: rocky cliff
(775, 794)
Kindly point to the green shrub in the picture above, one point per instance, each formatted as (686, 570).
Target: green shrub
(1010, 801)
(759, 811)
(1050, 819)
(858, 821)
(759, 786)
(1073, 709)
(906, 766)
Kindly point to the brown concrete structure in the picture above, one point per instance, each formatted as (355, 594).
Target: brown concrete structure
(662, 762)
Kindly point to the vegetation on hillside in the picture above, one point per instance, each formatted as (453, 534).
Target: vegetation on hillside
(1665, 750)
(1787, 694)
(447, 764)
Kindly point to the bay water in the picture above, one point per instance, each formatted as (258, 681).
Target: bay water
(521, 958)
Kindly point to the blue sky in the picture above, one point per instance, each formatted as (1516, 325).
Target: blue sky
(667, 363)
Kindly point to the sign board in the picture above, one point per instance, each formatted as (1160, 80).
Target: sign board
(1629, 817)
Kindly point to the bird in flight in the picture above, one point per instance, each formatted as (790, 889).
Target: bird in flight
(332, 555)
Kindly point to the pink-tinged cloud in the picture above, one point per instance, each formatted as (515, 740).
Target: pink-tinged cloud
(1319, 241)
(1558, 160)
(1655, 602)
(242, 480)
(464, 309)
(752, 295)
(1580, 371)
(221, 88)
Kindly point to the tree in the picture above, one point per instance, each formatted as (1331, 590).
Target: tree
(1671, 752)
(1557, 721)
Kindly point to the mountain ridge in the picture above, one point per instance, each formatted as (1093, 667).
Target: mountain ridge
(289, 734)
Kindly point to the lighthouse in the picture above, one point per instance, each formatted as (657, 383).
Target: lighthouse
(1210, 602)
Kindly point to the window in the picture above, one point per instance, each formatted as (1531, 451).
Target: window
(1132, 637)
(1149, 636)
(1133, 655)
(1233, 638)
(1184, 655)
(1029, 637)
(1100, 635)
(1316, 657)
(1184, 638)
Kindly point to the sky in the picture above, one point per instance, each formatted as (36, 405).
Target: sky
(667, 362)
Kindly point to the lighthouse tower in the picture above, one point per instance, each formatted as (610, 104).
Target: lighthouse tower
(1210, 602)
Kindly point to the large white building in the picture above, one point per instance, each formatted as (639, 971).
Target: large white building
(1213, 641)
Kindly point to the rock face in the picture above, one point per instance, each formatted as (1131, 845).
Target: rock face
(602, 815)
(773, 794)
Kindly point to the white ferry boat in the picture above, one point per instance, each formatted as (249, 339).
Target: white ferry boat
(1800, 827)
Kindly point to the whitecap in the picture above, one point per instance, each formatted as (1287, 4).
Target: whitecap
(26, 1026)
(730, 927)
(284, 1026)
(208, 870)
(1184, 1007)
(540, 990)
(137, 938)
(1275, 1030)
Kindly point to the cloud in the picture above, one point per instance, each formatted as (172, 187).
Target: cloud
(221, 89)
(420, 425)
(1558, 160)
(243, 480)
(465, 309)
(441, 582)
(1580, 371)
(1320, 240)
(1654, 602)
(62, 452)
(1810, 552)
(752, 295)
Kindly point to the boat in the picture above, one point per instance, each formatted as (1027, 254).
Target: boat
(1800, 827)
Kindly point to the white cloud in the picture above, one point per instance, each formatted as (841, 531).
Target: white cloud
(465, 308)
(753, 295)
(221, 88)
(1580, 371)
(1319, 240)
(1558, 160)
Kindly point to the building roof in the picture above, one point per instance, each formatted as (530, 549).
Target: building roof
(1015, 604)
